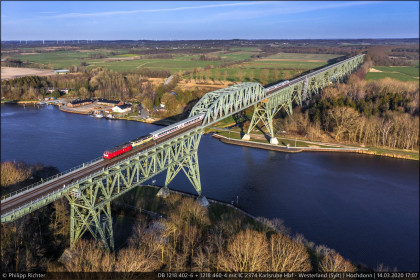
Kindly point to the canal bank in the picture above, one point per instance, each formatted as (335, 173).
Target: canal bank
(315, 147)
(365, 207)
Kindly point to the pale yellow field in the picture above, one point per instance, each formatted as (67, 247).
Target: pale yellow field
(15, 72)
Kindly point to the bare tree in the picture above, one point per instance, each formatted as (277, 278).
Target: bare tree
(343, 120)
(334, 262)
(287, 255)
(246, 252)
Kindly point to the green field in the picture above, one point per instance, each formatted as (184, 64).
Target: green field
(263, 71)
(237, 55)
(127, 55)
(402, 73)
(266, 70)
(58, 59)
(244, 74)
(273, 64)
(303, 56)
(174, 65)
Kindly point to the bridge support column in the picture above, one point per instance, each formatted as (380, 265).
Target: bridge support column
(246, 137)
(189, 165)
(84, 216)
(264, 112)
(163, 192)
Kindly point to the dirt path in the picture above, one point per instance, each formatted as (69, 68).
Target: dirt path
(142, 64)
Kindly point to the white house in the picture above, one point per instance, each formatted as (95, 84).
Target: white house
(122, 108)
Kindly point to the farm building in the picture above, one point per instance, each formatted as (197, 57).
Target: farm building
(78, 102)
(65, 90)
(105, 102)
(64, 71)
(51, 89)
(122, 108)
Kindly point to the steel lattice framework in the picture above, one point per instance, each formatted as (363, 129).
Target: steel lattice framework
(299, 90)
(225, 102)
(90, 198)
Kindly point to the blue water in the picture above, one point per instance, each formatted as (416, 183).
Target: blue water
(365, 207)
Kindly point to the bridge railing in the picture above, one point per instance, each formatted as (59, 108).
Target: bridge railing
(70, 186)
(45, 196)
(85, 164)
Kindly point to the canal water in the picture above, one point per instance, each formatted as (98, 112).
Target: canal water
(365, 207)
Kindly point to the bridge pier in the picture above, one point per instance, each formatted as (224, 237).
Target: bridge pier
(84, 216)
(163, 192)
(265, 112)
(189, 165)
(202, 201)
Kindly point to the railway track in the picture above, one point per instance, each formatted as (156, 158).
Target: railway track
(26, 197)
(297, 80)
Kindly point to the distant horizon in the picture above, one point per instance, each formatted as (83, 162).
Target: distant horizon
(201, 20)
(239, 39)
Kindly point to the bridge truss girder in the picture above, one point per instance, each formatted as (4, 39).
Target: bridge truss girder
(296, 93)
(226, 102)
(90, 199)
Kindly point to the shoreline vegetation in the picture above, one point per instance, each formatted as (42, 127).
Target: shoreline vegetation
(259, 141)
(378, 112)
(309, 146)
(163, 234)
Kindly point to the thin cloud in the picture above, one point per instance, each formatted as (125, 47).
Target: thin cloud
(113, 13)
(283, 8)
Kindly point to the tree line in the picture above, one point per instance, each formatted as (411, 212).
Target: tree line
(372, 113)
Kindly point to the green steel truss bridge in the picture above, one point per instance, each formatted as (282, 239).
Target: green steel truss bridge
(92, 186)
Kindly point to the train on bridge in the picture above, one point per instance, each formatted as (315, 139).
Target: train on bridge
(154, 136)
(277, 86)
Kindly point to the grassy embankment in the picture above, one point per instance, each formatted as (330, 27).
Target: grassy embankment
(299, 142)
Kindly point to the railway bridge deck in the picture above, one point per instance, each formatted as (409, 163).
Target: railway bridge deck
(91, 187)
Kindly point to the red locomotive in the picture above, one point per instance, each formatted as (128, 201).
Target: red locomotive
(152, 136)
(118, 150)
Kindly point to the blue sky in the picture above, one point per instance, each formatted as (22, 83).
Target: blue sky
(175, 20)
